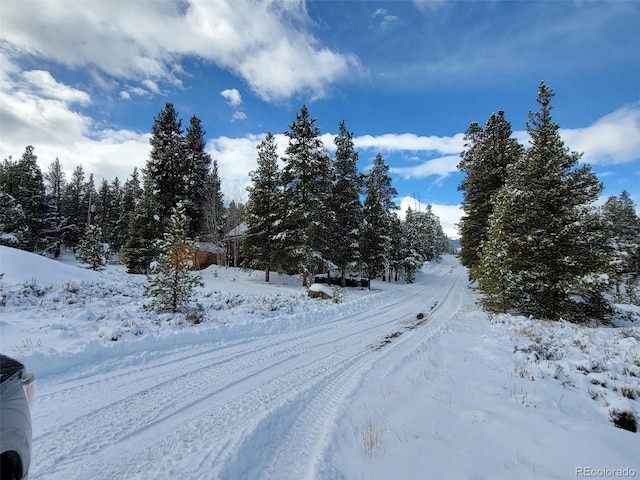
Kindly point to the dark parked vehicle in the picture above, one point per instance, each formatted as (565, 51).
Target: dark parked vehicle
(16, 391)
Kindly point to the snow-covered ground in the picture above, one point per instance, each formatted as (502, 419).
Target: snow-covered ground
(274, 385)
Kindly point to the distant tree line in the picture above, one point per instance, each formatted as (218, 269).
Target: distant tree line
(315, 214)
(319, 214)
(531, 234)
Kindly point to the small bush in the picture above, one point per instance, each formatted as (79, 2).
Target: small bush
(628, 392)
(624, 419)
(196, 315)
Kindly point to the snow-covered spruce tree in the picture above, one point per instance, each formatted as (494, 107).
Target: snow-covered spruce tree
(23, 181)
(143, 231)
(171, 283)
(117, 234)
(74, 206)
(167, 170)
(345, 208)
(375, 241)
(56, 224)
(262, 209)
(489, 150)
(423, 240)
(198, 165)
(214, 211)
(546, 248)
(12, 221)
(414, 242)
(91, 252)
(399, 247)
(301, 205)
(623, 224)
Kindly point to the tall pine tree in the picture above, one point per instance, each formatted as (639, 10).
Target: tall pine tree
(304, 163)
(546, 246)
(56, 224)
(623, 224)
(143, 230)
(375, 240)
(166, 175)
(214, 212)
(489, 150)
(199, 164)
(75, 205)
(345, 204)
(23, 185)
(263, 214)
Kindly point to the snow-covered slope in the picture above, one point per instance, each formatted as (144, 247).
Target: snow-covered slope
(275, 385)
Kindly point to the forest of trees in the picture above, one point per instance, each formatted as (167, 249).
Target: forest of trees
(531, 234)
(315, 214)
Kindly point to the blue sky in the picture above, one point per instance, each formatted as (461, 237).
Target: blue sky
(82, 81)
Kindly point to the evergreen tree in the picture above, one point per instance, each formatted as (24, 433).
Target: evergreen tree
(22, 181)
(56, 225)
(12, 221)
(144, 229)
(423, 239)
(198, 164)
(375, 242)
(345, 204)
(167, 171)
(74, 206)
(546, 247)
(413, 242)
(102, 210)
(214, 212)
(263, 214)
(91, 196)
(304, 164)
(117, 234)
(91, 250)
(399, 247)
(131, 196)
(623, 224)
(323, 223)
(172, 283)
(489, 150)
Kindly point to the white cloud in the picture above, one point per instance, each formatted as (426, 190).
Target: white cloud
(238, 116)
(614, 138)
(266, 43)
(440, 167)
(387, 19)
(151, 86)
(36, 109)
(411, 142)
(47, 86)
(232, 96)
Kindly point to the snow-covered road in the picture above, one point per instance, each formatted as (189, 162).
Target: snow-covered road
(261, 407)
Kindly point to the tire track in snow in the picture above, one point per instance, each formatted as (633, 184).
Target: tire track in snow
(305, 424)
(195, 412)
(96, 427)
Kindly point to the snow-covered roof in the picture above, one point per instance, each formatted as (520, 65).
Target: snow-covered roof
(238, 231)
(208, 247)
